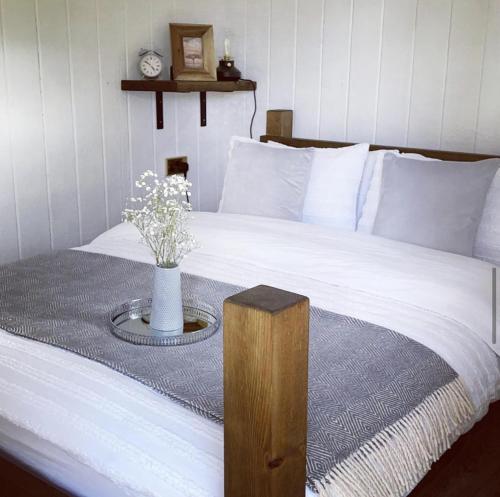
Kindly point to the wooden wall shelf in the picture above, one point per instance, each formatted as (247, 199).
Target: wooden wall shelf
(169, 86)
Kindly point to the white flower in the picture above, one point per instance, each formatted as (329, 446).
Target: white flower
(163, 217)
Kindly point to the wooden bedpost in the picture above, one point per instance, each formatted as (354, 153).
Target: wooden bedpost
(266, 340)
(279, 123)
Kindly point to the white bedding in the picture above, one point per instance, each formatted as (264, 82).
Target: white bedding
(70, 417)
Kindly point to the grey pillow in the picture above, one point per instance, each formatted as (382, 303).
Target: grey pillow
(266, 181)
(433, 204)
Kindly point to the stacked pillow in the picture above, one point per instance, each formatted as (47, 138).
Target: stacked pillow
(487, 245)
(266, 181)
(448, 206)
(461, 211)
(260, 176)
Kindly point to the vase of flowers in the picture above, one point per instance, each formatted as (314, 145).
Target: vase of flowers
(161, 215)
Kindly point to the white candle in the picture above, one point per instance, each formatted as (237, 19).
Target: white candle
(227, 49)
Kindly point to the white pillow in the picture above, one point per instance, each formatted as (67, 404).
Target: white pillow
(266, 181)
(487, 245)
(332, 195)
(375, 162)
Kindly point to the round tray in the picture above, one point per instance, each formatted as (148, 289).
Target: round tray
(130, 322)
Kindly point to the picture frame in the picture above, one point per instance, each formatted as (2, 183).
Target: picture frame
(193, 52)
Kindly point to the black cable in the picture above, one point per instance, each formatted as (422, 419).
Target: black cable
(254, 104)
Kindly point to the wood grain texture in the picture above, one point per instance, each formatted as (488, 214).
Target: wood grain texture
(471, 468)
(177, 34)
(435, 154)
(186, 86)
(266, 338)
(280, 123)
(18, 481)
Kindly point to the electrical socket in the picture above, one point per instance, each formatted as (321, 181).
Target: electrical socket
(175, 165)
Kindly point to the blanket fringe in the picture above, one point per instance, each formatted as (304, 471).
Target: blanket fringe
(396, 459)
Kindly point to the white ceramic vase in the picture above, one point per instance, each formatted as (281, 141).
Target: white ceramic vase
(166, 309)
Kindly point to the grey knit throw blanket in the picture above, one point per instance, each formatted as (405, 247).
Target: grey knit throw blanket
(381, 409)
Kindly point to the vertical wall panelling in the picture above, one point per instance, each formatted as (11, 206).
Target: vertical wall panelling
(141, 115)
(464, 74)
(208, 148)
(282, 52)
(213, 144)
(365, 69)
(487, 139)
(228, 111)
(58, 122)
(335, 69)
(308, 77)
(26, 125)
(73, 118)
(111, 29)
(204, 157)
(9, 249)
(210, 138)
(429, 72)
(165, 139)
(188, 105)
(395, 71)
(101, 113)
(418, 72)
(156, 166)
(88, 121)
(257, 58)
(188, 121)
(130, 185)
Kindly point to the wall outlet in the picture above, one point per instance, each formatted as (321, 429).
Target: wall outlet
(176, 165)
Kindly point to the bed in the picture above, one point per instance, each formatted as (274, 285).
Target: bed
(91, 431)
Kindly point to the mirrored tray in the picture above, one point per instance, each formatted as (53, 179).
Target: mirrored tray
(130, 322)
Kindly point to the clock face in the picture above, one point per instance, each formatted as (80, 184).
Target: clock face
(150, 65)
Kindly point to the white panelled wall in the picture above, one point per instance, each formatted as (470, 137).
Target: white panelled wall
(400, 72)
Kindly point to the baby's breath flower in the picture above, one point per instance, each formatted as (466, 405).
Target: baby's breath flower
(163, 217)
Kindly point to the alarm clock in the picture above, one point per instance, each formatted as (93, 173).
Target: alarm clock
(150, 64)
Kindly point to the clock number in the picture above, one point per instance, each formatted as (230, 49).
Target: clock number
(150, 66)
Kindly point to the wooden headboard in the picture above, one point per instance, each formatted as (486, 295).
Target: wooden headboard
(279, 129)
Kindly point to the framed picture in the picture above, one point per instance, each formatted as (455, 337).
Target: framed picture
(193, 53)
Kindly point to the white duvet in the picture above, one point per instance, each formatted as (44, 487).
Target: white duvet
(99, 433)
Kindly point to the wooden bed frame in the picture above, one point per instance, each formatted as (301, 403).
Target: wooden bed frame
(265, 385)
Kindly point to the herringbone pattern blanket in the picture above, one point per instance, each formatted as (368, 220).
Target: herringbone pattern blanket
(382, 407)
